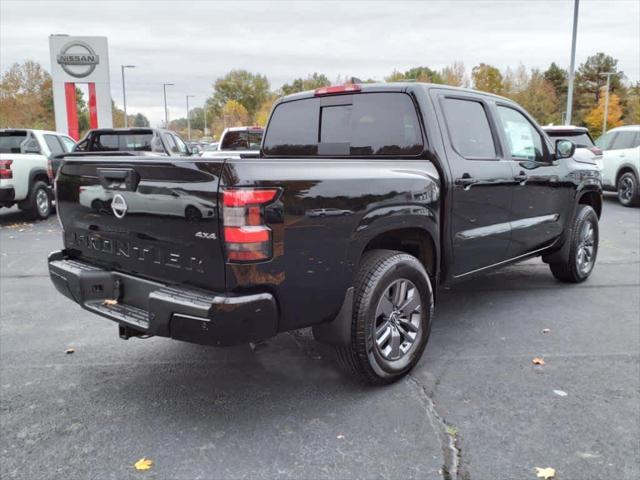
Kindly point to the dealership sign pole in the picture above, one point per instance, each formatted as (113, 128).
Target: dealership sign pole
(80, 60)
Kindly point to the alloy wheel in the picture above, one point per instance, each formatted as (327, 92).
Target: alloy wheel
(398, 320)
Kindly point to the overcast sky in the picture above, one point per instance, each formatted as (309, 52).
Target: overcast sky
(191, 43)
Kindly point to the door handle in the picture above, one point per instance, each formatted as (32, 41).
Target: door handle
(521, 178)
(465, 181)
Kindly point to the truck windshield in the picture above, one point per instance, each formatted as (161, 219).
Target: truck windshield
(366, 124)
(118, 142)
(242, 140)
(10, 142)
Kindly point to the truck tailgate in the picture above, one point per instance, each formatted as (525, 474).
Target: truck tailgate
(152, 217)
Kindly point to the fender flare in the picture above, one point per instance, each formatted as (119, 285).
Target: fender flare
(337, 332)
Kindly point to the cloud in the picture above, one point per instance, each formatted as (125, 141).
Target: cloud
(192, 43)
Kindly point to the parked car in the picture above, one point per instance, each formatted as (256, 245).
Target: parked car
(136, 141)
(28, 166)
(236, 142)
(586, 150)
(442, 184)
(621, 163)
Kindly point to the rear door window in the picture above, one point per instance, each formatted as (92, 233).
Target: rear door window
(55, 147)
(469, 129)
(625, 139)
(367, 124)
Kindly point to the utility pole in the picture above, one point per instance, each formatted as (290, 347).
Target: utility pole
(606, 101)
(124, 94)
(572, 67)
(166, 112)
(188, 118)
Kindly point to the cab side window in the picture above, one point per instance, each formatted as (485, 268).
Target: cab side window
(523, 140)
(469, 129)
(182, 147)
(67, 143)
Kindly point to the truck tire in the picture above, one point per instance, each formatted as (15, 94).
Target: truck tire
(628, 190)
(39, 202)
(391, 321)
(583, 248)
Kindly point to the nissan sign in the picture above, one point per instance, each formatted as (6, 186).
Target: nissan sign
(78, 59)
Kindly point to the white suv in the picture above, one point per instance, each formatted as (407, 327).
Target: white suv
(621, 163)
(26, 173)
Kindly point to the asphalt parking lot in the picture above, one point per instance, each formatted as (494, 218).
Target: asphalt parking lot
(474, 408)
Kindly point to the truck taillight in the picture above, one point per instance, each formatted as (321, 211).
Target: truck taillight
(247, 238)
(50, 171)
(5, 169)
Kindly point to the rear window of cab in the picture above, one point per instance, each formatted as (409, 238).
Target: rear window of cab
(364, 124)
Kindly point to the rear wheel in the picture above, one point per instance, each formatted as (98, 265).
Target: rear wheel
(391, 320)
(628, 190)
(39, 202)
(583, 248)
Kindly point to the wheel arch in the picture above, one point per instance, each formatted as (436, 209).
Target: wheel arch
(593, 198)
(625, 168)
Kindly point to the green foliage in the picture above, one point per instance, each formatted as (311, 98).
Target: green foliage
(487, 78)
(316, 80)
(416, 74)
(139, 120)
(246, 88)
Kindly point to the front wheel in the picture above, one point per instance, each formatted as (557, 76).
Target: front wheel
(583, 248)
(628, 190)
(391, 322)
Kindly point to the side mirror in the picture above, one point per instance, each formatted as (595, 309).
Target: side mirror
(565, 149)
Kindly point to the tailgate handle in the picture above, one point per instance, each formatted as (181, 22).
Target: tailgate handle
(119, 178)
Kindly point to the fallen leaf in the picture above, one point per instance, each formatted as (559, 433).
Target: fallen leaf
(340, 437)
(143, 464)
(538, 361)
(110, 302)
(560, 393)
(69, 351)
(546, 330)
(545, 473)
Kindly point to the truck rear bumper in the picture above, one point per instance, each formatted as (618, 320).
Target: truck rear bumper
(153, 308)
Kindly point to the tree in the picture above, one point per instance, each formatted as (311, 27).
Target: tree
(589, 78)
(487, 78)
(248, 89)
(139, 120)
(595, 118)
(557, 77)
(454, 75)
(262, 116)
(234, 114)
(26, 97)
(533, 92)
(316, 80)
(416, 74)
(632, 111)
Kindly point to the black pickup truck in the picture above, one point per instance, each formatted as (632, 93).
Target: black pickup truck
(425, 185)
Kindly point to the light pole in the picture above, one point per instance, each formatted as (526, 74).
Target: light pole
(572, 67)
(124, 94)
(188, 118)
(166, 112)
(606, 101)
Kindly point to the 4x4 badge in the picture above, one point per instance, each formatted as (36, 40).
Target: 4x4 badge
(119, 206)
